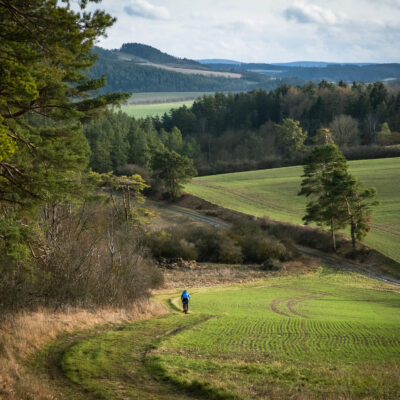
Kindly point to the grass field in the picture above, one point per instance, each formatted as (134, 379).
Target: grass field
(273, 193)
(142, 105)
(324, 334)
(164, 97)
(153, 110)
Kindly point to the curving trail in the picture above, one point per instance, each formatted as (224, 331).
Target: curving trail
(128, 373)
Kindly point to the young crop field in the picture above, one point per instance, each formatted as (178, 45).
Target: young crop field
(273, 193)
(321, 335)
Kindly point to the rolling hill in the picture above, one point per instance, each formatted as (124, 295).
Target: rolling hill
(273, 193)
(140, 68)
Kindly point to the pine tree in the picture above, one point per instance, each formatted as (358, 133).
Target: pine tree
(46, 48)
(171, 170)
(338, 199)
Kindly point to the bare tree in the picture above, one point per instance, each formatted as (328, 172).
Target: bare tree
(344, 130)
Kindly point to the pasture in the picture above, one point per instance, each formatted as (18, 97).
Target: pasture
(273, 193)
(325, 334)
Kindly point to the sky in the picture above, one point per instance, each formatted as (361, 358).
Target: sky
(260, 30)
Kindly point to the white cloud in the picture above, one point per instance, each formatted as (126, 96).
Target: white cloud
(310, 13)
(260, 30)
(144, 9)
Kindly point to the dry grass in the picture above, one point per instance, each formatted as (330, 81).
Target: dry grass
(23, 334)
(211, 274)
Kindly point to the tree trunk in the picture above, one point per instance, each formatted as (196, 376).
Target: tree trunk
(333, 236)
(352, 224)
(353, 232)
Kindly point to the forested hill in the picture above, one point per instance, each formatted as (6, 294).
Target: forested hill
(139, 68)
(321, 71)
(154, 55)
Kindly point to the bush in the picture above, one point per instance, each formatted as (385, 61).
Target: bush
(230, 252)
(271, 264)
(244, 242)
(169, 244)
(86, 259)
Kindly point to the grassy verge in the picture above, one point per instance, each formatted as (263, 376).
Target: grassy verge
(22, 335)
(273, 193)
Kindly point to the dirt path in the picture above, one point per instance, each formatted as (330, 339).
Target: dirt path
(338, 263)
(189, 213)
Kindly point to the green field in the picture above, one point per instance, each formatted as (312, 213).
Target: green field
(326, 334)
(273, 193)
(153, 110)
(164, 97)
(153, 104)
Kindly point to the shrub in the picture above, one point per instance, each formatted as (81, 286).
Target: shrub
(245, 241)
(230, 252)
(87, 259)
(207, 241)
(167, 244)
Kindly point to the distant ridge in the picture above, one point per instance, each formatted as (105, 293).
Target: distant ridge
(294, 64)
(141, 68)
(219, 61)
(317, 64)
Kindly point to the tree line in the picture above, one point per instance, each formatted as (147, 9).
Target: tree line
(241, 128)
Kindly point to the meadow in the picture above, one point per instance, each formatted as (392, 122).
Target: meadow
(273, 193)
(153, 110)
(164, 97)
(156, 104)
(324, 334)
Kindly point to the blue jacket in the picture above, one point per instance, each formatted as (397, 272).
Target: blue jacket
(185, 295)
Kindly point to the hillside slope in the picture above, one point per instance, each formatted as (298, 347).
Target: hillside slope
(273, 193)
(140, 68)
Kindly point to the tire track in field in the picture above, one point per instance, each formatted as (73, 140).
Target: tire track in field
(292, 302)
(274, 307)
